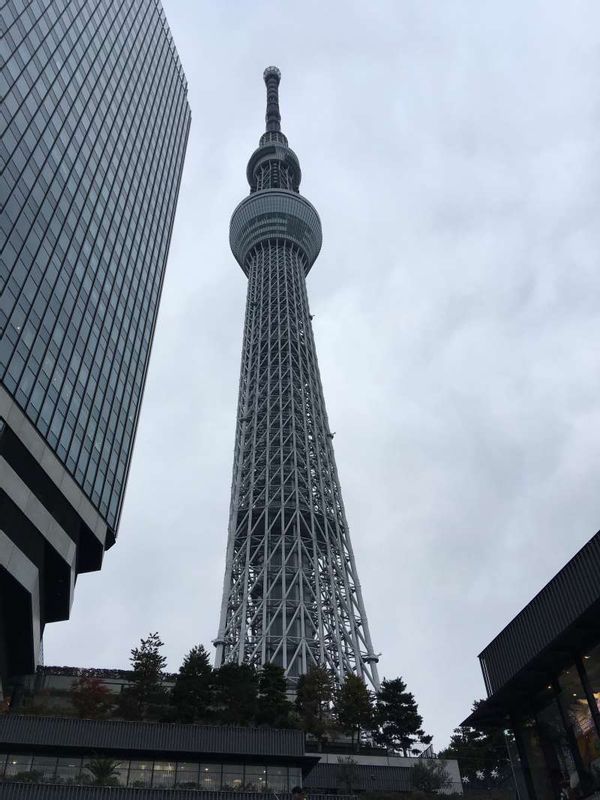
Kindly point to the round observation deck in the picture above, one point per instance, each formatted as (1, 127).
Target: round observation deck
(275, 214)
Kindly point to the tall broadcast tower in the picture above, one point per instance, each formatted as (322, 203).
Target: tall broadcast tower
(291, 593)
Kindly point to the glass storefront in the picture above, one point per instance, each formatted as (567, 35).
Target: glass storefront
(158, 774)
(580, 726)
(560, 739)
(591, 665)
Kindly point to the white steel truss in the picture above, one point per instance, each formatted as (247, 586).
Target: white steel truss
(291, 593)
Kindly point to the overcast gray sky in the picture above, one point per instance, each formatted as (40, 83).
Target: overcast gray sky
(452, 151)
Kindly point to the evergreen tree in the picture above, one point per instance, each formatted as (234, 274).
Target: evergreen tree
(430, 776)
(193, 691)
(353, 707)
(482, 755)
(236, 693)
(397, 719)
(313, 698)
(146, 696)
(274, 709)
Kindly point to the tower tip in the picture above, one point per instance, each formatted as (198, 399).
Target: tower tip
(272, 72)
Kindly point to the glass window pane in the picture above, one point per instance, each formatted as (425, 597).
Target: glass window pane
(277, 779)
(580, 722)
(44, 766)
(256, 778)
(591, 663)
(295, 777)
(187, 775)
(210, 776)
(164, 774)
(233, 776)
(556, 747)
(140, 773)
(18, 764)
(69, 770)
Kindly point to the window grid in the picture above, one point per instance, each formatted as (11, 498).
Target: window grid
(97, 123)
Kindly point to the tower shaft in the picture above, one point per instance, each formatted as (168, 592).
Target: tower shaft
(291, 593)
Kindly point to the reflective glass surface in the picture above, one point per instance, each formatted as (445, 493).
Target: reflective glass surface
(158, 774)
(95, 125)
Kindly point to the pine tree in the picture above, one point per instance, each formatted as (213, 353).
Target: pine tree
(236, 691)
(397, 719)
(146, 696)
(482, 755)
(274, 709)
(430, 776)
(353, 707)
(193, 691)
(313, 699)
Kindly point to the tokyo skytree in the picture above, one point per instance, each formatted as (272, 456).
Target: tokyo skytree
(291, 593)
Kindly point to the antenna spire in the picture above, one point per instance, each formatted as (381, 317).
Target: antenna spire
(272, 76)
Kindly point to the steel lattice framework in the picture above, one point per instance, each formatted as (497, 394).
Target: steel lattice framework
(291, 592)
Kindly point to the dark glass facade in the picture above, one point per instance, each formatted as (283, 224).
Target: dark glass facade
(95, 128)
(95, 122)
(559, 737)
(209, 776)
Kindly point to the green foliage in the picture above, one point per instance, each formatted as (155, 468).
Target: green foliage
(397, 719)
(193, 691)
(273, 709)
(313, 698)
(430, 776)
(90, 697)
(28, 776)
(146, 697)
(353, 706)
(481, 754)
(236, 694)
(104, 771)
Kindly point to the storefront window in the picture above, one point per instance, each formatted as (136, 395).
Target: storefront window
(559, 758)
(233, 776)
(256, 779)
(44, 766)
(295, 777)
(164, 774)
(210, 776)
(591, 664)
(534, 754)
(158, 774)
(140, 773)
(580, 722)
(69, 770)
(187, 775)
(277, 779)
(18, 764)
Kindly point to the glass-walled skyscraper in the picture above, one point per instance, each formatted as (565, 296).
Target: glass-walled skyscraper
(95, 126)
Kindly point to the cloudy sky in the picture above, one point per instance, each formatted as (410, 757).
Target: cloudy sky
(452, 151)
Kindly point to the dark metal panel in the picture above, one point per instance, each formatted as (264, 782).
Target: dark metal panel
(28, 791)
(366, 777)
(113, 735)
(572, 592)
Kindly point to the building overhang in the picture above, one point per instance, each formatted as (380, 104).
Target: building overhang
(563, 619)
